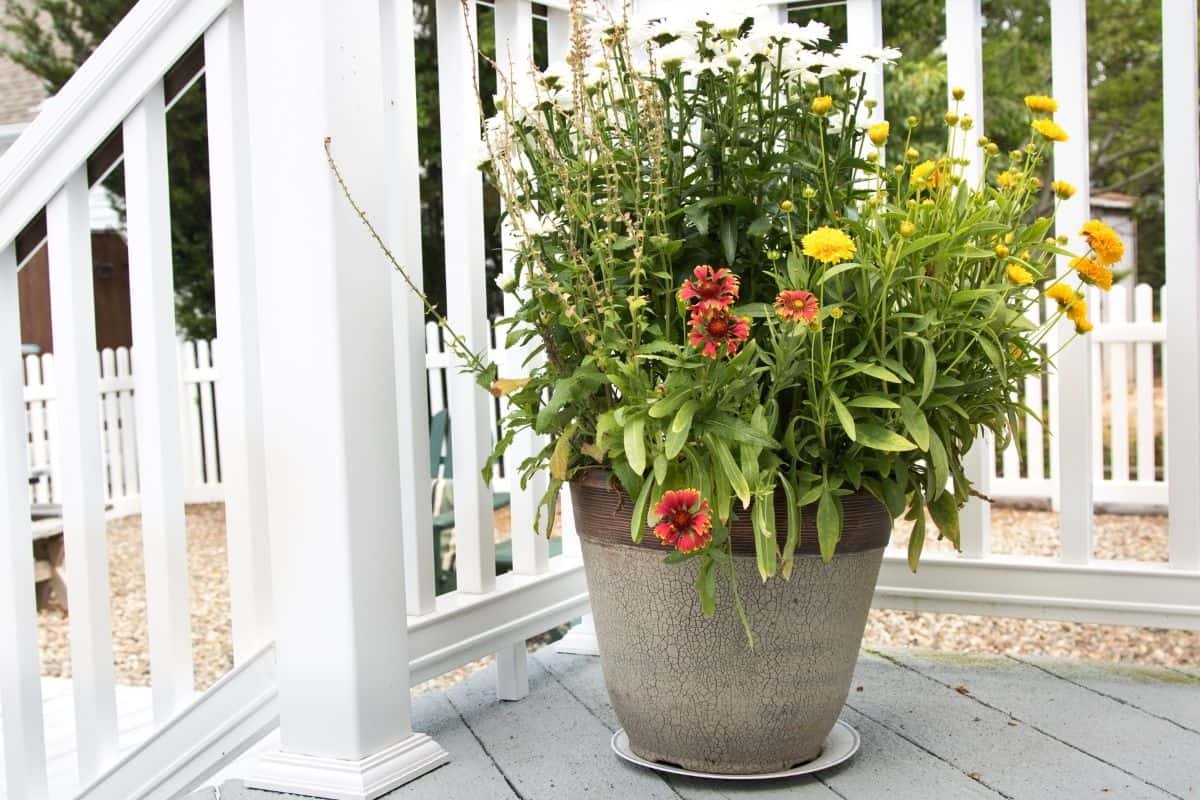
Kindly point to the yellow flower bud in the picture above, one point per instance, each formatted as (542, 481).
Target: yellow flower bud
(1063, 190)
(911, 154)
(951, 118)
(907, 229)
(822, 104)
(958, 93)
(1062, 238)
(808, 193)
(878, 133)
(983, 141)
(911, 121)
(1002, 250)
(786, 206)
(967, 123)
(836, 312)
(992, 149)
(873, 156)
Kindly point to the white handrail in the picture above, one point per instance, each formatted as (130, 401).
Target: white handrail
(73, 123)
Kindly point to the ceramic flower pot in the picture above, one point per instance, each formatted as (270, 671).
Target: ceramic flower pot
(687, 689)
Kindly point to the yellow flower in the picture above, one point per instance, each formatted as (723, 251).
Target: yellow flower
(1019, 275)
(1040, 102)
(822, 104)
(1050, 129)
(1077, 309)
(922, 172)
(1061, 294)
(1093, 273)
(878, 133)
(907, 229)
(828, 245)
(958, 93)
(1002, 250)
(1009, 179)
(1063, 190)
(1104, 240)
(1083, 326)
(836, 312)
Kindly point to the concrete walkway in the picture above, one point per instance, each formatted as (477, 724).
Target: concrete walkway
(933, 725)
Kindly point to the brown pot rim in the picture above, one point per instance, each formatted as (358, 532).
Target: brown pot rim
(603, 511)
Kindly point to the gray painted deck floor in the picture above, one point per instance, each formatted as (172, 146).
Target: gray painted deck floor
(933, 725)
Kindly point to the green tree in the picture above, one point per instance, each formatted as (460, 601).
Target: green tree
(52, 38)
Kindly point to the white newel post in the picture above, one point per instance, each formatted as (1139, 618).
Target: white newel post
(333, 469)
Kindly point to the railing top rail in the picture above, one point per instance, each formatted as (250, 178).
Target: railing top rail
(78, 120)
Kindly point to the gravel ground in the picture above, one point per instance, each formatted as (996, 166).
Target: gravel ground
(1013, 531)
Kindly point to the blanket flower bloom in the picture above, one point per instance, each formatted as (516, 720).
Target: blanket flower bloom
(1049, 129)
(1092, 273)
(796, 305)
(828, 245)
(1042, 103)
(711, 287)
(1104, 241)
(715, 328)
(684, 520)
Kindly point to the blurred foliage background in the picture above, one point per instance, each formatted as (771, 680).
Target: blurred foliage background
(1125, 74)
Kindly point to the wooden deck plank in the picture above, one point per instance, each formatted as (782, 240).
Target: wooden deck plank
(1160, 691)
(1014, 759)
(471, 771)
(1159, 752)
(549, 745)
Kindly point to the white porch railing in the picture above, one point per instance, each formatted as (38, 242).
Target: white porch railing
(309, 468)
(1127, 399)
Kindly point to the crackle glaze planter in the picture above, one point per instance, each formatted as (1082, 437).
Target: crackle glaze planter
(686, 689)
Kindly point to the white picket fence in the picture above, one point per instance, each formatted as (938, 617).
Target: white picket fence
(1128, 410)
(1128, 383)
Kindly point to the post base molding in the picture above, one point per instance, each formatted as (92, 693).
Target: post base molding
(580, 640)
(340, 779)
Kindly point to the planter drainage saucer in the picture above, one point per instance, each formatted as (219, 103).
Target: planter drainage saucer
(840, 745)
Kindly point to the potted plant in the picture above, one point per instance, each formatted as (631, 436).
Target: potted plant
(756, 342)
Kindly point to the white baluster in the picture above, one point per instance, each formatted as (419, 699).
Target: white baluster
(112, 430)
(1118, 384)
(1181, 141)
(20, 685)
(128, 424)
(964, 67)
(864, 29)
(474, 532)
(408, 313)
(80, 473)
(239, 390)
(1068, 28)
(156, 389)
(1143, 314)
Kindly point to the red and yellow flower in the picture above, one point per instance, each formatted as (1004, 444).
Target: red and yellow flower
(715, 328)
(710, 287)
(797, 305)
(684, 520)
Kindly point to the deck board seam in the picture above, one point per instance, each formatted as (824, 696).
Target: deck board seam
(1028, 724)
(927, 751)
(1094, 690)
(483, 746)
(821, 780)
(554, 677)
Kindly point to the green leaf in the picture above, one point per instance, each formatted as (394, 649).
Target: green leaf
(759, 228)
(878, 437)
(941, 463)
(683, 418)
(765, 549)
(733, 429)
(920, 243)
(660, 469)
(697, 214)
(795, 268)
(872, 401)
(668, 405)
(729, 238)
(876, 371)
(793, 527)
(893, 497)
(843, 415)
(706, 587)
(829, 522)
(560, 458)
(944, 510)
(637, 523)
(916, 541)
(915, 422)
(635, 444)
(928, 370)
(730, 468)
